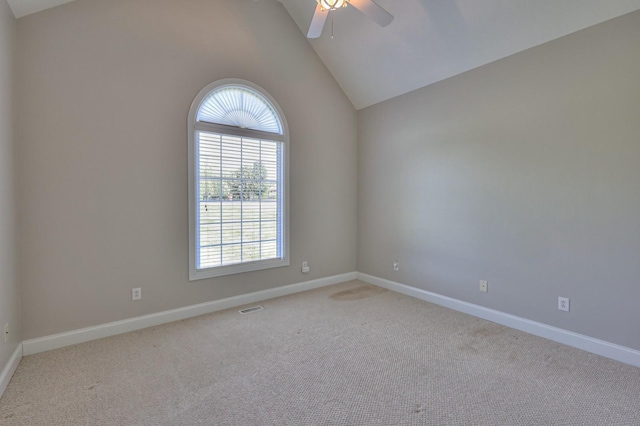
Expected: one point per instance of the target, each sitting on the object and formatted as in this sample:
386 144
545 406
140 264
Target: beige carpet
350 354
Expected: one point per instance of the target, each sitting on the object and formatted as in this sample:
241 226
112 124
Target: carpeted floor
350 354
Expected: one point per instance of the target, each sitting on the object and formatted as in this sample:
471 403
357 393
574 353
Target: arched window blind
239 107
238 186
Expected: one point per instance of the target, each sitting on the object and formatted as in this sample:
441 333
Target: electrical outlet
136 293
396 266
563 304
484 286
6 332
305 267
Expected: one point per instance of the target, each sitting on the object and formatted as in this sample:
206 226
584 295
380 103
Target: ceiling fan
368 7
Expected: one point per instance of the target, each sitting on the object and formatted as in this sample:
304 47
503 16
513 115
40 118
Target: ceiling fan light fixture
323 7
332 4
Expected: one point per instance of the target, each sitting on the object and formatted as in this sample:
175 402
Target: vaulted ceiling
27 7
429 40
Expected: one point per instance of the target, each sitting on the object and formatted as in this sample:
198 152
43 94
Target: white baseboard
69 338
10 368
580 341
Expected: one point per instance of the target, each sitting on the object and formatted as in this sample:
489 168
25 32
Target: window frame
193 127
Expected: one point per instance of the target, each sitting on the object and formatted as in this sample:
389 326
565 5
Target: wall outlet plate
563 304
484 286
136 293
305 267
6 332
396 266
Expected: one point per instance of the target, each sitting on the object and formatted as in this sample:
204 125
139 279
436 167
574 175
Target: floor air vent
251 310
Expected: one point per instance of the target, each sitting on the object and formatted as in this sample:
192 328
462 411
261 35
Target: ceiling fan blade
373 11
317 23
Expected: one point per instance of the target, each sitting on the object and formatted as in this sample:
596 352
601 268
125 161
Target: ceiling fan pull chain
332 28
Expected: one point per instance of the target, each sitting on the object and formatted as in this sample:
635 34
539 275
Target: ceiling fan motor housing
333 4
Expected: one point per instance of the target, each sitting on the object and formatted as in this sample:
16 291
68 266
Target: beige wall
524 172
9 295
105 88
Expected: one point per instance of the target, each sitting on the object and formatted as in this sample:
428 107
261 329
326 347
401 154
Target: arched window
238 181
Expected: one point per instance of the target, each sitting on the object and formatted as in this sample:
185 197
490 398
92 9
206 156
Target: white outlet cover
136 293
563 304
484 286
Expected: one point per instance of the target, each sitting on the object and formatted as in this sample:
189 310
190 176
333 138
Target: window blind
239 107
240 199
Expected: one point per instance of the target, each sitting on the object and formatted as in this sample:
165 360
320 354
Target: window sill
201 274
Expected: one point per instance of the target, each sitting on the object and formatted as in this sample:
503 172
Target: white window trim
194 272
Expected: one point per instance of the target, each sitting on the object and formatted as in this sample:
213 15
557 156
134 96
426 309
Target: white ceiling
429 40
22 8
